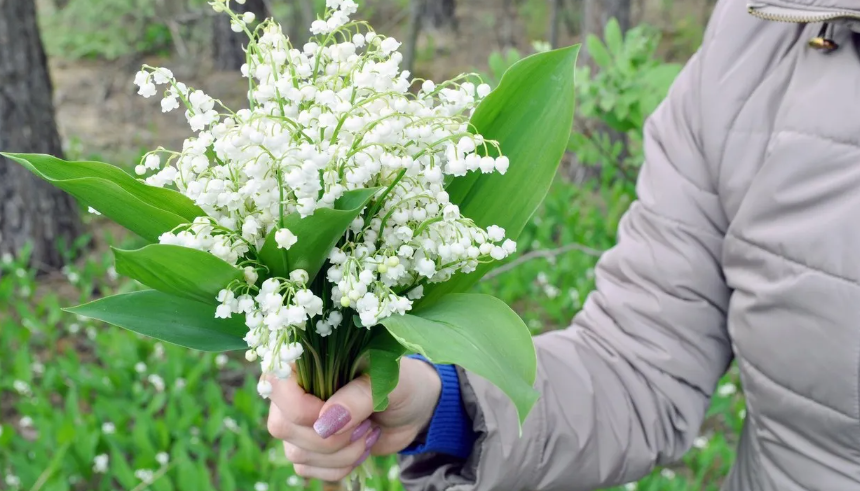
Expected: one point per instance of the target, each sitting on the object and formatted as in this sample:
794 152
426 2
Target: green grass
72 389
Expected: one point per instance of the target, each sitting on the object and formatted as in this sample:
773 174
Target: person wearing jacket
744 243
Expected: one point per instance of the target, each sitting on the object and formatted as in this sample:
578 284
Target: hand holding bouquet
333 225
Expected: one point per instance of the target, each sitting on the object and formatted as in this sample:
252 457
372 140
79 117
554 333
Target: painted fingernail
372 438
360 431
332 421
361 459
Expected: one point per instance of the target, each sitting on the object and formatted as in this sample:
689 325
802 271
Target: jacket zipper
782 14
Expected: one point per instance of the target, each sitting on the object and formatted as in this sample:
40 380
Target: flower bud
299 276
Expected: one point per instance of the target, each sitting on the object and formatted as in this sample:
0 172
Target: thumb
346 409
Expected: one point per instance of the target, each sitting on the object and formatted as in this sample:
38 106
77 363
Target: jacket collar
805 11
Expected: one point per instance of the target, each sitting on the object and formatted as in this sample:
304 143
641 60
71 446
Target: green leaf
145 210
614 38
598 52
168 318
384 354
181 271
530 114
317 234
479 333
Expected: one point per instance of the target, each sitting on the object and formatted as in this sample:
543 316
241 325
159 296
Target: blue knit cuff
450 431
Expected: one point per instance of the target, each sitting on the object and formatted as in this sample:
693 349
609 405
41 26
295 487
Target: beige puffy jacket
744 243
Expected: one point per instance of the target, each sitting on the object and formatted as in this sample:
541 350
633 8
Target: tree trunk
301 17
597 13
555 18
412 32
31 210
227 46
439 13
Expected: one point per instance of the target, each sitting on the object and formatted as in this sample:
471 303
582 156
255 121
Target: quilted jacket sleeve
626 386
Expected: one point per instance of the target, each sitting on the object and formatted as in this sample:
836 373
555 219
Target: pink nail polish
361 459
360 431
372 438
332 421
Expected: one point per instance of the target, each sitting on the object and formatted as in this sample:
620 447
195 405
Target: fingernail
372 438
359 431
361 459
332 421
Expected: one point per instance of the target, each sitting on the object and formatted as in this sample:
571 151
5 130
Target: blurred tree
596 14
426 14
31 210
439 13
226 44
301 16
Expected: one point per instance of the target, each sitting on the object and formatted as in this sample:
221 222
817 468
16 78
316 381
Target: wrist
427 378
448 430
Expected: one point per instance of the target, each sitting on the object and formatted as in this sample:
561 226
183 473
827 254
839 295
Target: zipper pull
823 41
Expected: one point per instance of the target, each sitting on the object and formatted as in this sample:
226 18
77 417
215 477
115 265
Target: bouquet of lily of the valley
336 223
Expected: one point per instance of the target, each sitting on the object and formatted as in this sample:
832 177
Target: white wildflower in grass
261 486
727 389
631 486
100 463
38 368
108 428
742 414
230 424
22 388
145 475
162 458
220 360
140 367
25 422
700 442
13 481
157 382
294 481
325 121
668 474
179 384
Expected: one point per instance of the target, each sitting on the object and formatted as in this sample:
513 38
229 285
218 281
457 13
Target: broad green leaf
168 318
479 333
186 474
145 210
530 114
226 481
274 257
598 52
383 354
181 271
317 235
614 38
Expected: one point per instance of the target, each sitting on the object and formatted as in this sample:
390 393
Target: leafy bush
105 29
614 101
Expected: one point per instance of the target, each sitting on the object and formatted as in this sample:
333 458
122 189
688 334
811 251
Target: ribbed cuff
450 431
